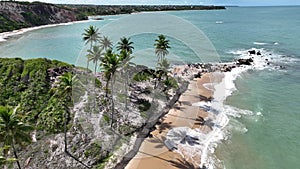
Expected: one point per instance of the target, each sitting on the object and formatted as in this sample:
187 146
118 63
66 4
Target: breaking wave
223 119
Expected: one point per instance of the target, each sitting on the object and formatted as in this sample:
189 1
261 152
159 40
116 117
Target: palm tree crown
95 55
91 35
110 64
125 44
161 47
105 43
12 130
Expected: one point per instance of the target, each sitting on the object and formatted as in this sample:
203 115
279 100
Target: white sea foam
221 114
260 43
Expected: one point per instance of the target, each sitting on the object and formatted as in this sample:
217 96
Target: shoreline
153 151
5 36
199 113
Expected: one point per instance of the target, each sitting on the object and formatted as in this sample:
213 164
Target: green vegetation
27 83
9 25
90 10
12 131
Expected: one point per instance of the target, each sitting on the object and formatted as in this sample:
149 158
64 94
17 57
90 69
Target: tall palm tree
67 81
161 47
95 55
13 131
91 35
125 59
110 64
105 43
125 44
125 47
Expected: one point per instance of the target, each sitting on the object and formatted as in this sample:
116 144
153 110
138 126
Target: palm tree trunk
65 132
106 86
95 86
87 70
95 67
112 102
126 90
66 143
87 67
15 153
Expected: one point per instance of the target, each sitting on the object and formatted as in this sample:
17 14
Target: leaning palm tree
67 81
95 55
105 43
91 35
110 64
125 44
13 131
161 47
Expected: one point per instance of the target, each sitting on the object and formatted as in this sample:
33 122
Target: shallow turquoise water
272 137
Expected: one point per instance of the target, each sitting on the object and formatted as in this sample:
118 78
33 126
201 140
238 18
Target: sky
178 2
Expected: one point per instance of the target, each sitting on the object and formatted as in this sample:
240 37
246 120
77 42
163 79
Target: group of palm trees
101 53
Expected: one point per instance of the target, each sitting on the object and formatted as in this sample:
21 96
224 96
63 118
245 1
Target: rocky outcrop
16 15
245 61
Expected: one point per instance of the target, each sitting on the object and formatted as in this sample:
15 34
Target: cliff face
16 15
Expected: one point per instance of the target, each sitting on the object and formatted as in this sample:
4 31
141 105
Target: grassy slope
27 83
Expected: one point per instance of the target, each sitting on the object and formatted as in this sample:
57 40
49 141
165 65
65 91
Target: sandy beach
153 153
7 35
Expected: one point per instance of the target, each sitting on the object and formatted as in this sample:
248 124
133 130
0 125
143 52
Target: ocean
263 126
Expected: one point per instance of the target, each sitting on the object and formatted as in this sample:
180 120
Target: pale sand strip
153 153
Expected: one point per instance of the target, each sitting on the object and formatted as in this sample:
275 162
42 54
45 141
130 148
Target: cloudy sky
186 2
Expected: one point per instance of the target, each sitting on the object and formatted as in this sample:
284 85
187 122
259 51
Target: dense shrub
27 83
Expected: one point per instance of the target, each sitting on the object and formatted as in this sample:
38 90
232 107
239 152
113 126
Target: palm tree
125 59
110 64
163 67
125 44
91 35
125 47
67 81
95 55
13 131
105 43
161 47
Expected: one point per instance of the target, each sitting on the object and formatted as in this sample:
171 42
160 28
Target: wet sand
153 153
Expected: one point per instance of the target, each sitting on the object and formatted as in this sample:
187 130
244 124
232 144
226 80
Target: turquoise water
272 140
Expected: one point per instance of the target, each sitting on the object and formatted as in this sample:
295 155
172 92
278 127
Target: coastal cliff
17 15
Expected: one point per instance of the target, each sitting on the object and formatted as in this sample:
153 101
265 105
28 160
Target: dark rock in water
245 61
268 63
258 53
252 52
266 59
228 69
282 67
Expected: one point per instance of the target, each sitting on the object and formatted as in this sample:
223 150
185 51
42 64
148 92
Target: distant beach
4 36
